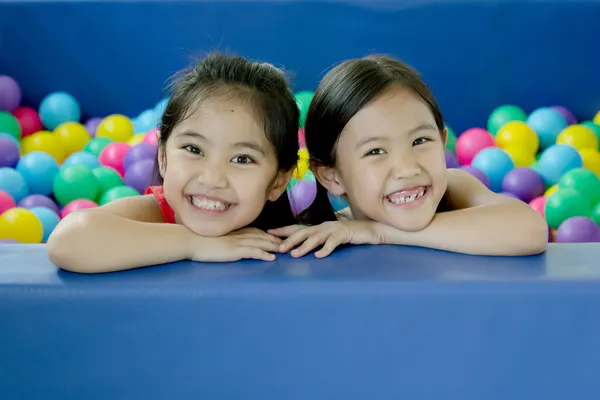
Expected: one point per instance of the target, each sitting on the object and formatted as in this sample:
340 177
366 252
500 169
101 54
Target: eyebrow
422 127
251 145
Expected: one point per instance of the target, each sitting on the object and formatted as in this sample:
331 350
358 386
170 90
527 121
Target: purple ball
141 151
525 183
6 241
302 194
568 115
91 125
477 174
451 161
9 152
508 194
10 94
139 175
578 230
38 200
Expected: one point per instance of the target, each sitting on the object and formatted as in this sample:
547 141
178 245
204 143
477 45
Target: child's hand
328 234
245 243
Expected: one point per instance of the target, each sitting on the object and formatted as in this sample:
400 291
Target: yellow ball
21 225
591 160
579 137
520 156
551 190
73 136
136 139
44 141
116 127
518 134
597 118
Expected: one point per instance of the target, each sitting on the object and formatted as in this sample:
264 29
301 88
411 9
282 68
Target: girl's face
219 169
390 162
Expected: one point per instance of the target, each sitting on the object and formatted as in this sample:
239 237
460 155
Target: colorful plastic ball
591 160
145 121
10 93
593 127
6 201
48 218
525 183
38 200
91 125
46 142
302 195
12 182
9 153
547 122
471 142
96 145
113 156
139 175
76 205
21 225
73 136
595 214
82 158
116 127
7 241
11 138
29 120
556 160
107 178
75 182
451 161
503 115
584 181
58 108
564 204
596 119
450 139
480 175
10 125
117 192
495 163
160 107
38 169
136 139
568 115
551 190
141 151
578 230
579 137
521 157
538 204
517 134
303 100
151 137
509 194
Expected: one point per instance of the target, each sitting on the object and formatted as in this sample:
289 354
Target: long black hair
268 92
342 93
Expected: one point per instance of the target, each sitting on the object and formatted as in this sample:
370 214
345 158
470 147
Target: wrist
387 233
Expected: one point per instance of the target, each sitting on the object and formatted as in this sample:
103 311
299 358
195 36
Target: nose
405 165
213 176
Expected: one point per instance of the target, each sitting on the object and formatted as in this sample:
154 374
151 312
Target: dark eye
242 159
193 149
375 152
420 141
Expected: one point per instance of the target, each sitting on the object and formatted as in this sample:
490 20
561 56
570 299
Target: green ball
117 193
504 114
451 139
595 216
564 204
75 182
10 125
303 100
107 178
594 128
96 145
584 181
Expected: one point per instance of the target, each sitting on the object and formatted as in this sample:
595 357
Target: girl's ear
279 185
162 161
445 136
329 178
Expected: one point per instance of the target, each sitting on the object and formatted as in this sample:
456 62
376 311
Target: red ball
471 142
151 136
113 155
75 205
29 119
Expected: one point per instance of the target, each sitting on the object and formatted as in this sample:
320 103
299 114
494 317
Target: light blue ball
57 108
12 138
13 183
82 158
145 121
48 218
547 123
495 163
160 108
556 160
38 169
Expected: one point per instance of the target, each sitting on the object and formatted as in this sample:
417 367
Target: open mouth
408 196
208 204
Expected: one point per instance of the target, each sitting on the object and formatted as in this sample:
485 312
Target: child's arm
130 233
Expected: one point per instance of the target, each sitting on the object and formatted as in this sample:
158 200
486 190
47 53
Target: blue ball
9 153
82 158
57 108
145 121
48 218
495 163
547 123
13 183
38 169
160 108
556 160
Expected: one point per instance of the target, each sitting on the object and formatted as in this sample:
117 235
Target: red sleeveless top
165 209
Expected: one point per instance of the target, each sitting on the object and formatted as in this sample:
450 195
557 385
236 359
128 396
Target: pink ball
538 204
301 138
75 205
113 155
471 142
29 119
6 201
151 136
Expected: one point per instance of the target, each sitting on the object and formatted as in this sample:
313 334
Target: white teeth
408 199
209 205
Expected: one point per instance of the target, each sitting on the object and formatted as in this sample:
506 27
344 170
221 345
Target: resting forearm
499 229
91 242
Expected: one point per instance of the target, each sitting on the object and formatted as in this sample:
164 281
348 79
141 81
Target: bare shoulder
465 191
138 208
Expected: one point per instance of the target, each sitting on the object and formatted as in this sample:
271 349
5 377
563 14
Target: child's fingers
331 244
260 243
255 253
297 237
285 230
310 244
